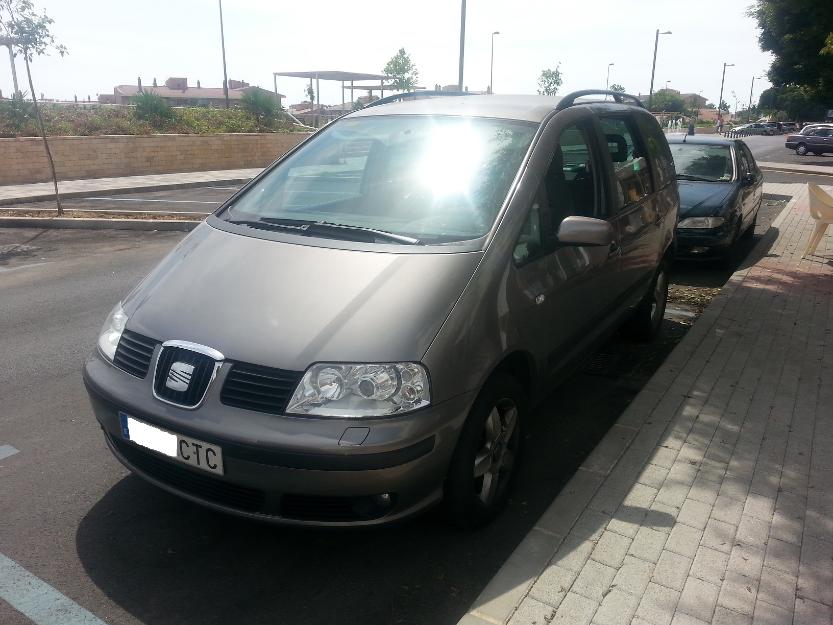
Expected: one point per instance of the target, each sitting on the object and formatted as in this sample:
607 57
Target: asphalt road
130 553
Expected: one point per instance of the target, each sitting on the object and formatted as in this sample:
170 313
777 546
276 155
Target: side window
629 161
658 151
743 162
569 188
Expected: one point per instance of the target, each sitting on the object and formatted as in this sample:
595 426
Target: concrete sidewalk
822 170
711 499
15 194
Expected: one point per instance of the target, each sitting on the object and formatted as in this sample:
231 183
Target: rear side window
629 160
658 150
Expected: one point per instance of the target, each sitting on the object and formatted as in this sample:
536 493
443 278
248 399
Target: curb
45 197
98 224
787 168
504 592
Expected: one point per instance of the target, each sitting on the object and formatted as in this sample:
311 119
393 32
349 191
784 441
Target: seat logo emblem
179 376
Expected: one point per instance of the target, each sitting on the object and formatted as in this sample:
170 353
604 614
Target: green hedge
17 119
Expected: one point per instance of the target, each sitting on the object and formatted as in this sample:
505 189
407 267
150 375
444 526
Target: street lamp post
654 66
5 41
462 43
749 110
720 99
492 64
607 80
666 84
223 45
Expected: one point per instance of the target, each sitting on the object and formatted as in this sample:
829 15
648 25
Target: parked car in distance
807 128
817 140
721 189
359 332
756 128
788 127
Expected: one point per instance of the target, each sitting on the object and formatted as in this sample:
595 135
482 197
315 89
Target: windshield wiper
303 226
699 178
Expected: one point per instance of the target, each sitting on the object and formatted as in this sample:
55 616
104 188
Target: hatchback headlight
361 390
111 331
702 222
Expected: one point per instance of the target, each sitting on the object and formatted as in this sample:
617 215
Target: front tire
484 464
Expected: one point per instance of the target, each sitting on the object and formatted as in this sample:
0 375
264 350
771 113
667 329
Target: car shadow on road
167 561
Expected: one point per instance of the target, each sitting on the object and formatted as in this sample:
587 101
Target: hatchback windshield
432 178
702 162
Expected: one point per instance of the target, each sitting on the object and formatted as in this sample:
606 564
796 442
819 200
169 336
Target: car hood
702 199
286 305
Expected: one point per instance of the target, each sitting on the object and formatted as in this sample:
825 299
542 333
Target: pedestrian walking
691 126
720 125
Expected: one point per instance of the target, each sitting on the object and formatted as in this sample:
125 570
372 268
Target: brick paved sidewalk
711 499
78 188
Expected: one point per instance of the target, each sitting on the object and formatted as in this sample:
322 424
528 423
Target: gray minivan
359 332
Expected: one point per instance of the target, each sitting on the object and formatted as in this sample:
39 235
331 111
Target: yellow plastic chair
821 209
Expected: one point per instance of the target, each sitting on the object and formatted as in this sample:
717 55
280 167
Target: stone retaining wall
23 160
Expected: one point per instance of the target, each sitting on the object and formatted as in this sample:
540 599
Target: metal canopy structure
339 76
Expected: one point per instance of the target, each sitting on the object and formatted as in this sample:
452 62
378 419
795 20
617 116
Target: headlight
702 222
108 338
361 390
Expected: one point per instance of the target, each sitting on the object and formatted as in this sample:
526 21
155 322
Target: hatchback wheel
487 454
648 317
801 149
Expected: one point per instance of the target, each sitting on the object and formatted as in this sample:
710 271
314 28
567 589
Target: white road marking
138 199
6 451
19 267
37 600
223 188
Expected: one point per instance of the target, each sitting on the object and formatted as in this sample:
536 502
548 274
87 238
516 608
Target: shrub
15 115
151 107
261 105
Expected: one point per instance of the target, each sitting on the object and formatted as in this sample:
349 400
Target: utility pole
492 64
223 44
462 43
8 43
720 99
749 110
654 66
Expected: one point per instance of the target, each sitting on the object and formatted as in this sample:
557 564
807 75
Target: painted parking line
37 600
138 199
6 451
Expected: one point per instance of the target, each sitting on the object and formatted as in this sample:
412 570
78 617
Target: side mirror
585 231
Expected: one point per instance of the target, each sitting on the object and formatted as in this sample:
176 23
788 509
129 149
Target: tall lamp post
607 80
492 64
462 43
749 110
720 99
8 42
654 66
223 44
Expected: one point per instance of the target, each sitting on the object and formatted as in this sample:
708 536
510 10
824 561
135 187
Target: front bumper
286 469
704 243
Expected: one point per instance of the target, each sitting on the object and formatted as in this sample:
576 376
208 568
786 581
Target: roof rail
619 97
411 95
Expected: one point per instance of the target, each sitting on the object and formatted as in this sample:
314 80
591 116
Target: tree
617 88
30 35
724 106
151 107
310 93
550 80
799 34
666 100
402 70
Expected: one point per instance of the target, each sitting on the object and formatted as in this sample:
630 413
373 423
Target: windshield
436 179
703 162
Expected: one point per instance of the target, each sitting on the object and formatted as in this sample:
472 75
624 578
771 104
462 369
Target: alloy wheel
494 462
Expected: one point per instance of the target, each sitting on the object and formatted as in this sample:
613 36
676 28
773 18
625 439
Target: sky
113 43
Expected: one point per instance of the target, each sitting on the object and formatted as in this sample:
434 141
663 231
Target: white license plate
187 450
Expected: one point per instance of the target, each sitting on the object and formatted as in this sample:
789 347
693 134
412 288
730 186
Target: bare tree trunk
43 135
